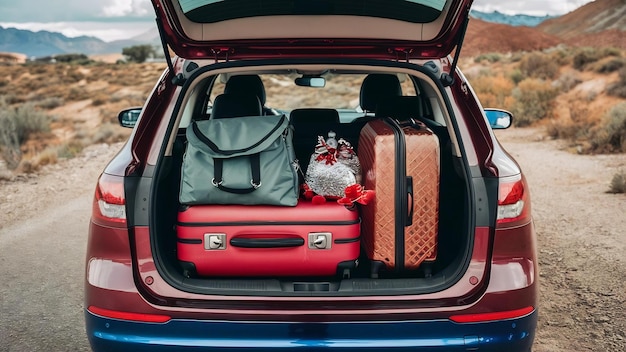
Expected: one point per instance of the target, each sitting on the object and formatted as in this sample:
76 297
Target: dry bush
16 124
533 101
587 56
537 65
618 89
575 128
494 91
100 98
611 136
516 76
612 65
568 80
618 183
50 103
70 149
9 142
489 57
48 156
76 94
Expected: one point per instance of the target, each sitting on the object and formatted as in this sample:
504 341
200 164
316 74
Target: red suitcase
402 165
260 240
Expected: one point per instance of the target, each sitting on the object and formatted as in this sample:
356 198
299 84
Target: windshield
417 11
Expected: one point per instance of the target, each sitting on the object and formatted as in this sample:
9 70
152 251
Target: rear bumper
199 335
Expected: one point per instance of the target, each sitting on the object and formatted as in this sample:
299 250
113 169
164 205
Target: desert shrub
50 103
48 156
28 120
77 93
9 142
538 65
568 80
16 125
575 128
611 137
100 98
611 65
517 76
80 59
138 53
618 88
489 57
70 149
533 101
586 56
493 91
618 183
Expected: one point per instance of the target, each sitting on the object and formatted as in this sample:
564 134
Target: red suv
424 247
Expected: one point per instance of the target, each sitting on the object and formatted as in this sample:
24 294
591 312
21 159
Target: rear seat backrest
308 124
401 107
235 105
377 88
248 84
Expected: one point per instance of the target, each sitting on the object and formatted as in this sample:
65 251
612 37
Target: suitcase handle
409 190
266 242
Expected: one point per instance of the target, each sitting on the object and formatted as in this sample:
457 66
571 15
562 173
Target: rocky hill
484 37
599 23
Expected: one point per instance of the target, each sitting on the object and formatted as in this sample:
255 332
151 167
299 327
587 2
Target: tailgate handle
266 242
409 190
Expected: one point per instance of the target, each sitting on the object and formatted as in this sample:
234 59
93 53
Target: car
365 64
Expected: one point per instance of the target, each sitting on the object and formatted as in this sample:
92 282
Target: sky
122 19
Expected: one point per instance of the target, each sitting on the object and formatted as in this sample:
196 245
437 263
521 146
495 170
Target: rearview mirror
128 117
499 119
308 81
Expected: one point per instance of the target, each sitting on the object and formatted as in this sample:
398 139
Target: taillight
513 202
109 204
493 316
141 317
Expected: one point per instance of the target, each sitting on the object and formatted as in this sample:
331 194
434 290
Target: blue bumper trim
199 335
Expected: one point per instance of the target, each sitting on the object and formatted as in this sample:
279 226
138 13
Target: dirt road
581 232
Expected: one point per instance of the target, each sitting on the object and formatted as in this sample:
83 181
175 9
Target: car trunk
455 234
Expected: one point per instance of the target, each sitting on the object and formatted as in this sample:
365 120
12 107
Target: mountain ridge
511 20
46 43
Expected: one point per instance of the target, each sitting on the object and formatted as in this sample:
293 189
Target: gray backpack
240 160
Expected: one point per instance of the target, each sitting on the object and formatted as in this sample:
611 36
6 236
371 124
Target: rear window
416 11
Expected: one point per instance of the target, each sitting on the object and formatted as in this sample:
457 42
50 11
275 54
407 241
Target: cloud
74 10
529 7
121 8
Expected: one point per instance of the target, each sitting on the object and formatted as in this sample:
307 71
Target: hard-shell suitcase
262 240
401 163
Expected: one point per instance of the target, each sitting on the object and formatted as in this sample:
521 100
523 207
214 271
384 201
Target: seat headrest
400 107
313 116
378 87
235 105
246 84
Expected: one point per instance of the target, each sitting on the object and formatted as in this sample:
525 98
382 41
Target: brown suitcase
402 165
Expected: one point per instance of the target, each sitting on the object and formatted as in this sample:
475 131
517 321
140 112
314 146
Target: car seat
248 84
235 105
